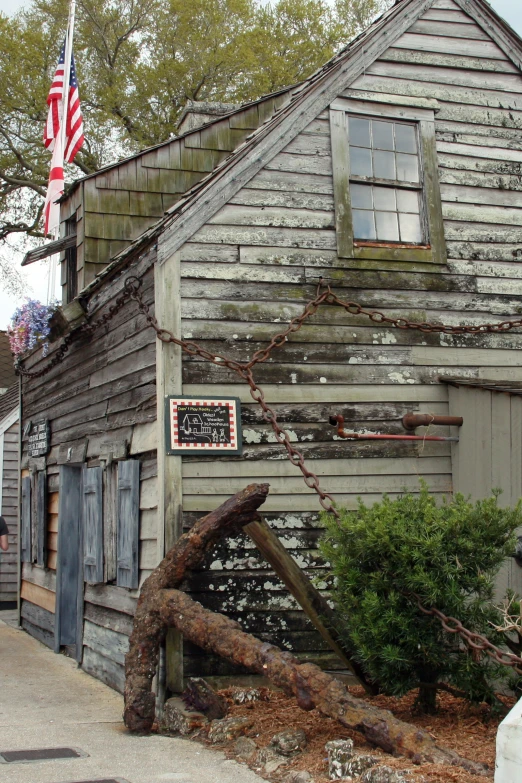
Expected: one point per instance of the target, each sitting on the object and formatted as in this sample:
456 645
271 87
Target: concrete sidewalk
46 701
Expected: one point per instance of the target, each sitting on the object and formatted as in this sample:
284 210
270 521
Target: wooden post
309 599
169 381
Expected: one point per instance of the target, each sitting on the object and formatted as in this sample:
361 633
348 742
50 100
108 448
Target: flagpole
63 127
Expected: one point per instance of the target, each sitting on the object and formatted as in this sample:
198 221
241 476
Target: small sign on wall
203 426
38 436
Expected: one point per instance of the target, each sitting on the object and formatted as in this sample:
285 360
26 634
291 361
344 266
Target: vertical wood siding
257 262
489 456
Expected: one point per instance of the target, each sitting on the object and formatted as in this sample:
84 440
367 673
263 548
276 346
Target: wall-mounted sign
38 437
203 426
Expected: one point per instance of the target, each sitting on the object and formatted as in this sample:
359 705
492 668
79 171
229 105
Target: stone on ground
339 754
245 748
382 774
289 742
227 729
180 719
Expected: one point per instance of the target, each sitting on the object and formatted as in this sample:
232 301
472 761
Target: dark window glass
387 226
361 162
359 132
405 138
363 224
382 135
407 168
362 196
382 150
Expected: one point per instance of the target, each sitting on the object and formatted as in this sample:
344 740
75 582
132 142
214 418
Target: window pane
387 228
361 196
363 224
407 168
360 162
408 201
405 138
382 135
384 198
383 165
410 228
359 131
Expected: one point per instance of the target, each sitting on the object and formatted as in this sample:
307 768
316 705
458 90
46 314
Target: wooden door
69 563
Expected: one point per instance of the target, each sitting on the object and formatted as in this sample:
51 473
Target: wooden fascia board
495 27
300 113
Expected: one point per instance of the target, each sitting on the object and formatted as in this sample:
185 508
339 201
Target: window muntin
385 152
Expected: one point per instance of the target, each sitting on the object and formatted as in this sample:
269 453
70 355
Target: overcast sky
36 274
511 10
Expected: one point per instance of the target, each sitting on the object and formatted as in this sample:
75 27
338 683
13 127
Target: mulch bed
468 729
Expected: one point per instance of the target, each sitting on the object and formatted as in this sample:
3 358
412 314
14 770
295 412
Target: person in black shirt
4 543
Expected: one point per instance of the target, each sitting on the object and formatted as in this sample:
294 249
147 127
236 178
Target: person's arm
4 543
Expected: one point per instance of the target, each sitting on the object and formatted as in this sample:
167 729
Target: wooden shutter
92 516
26 520
41 517
69 567
128 523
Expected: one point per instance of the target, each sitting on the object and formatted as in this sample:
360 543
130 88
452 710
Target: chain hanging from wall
324 296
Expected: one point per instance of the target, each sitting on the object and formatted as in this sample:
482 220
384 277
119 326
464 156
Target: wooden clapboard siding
116 205
255 264
39 596
9 510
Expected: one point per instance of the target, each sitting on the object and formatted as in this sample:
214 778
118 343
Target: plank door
69 563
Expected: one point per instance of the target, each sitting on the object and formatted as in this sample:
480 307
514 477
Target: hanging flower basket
30 327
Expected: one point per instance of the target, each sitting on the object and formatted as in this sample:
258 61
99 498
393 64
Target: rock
269 760
244 695
179 719
200 696
339 754
299 776
228 729
289 743
382 774
244 748
359 764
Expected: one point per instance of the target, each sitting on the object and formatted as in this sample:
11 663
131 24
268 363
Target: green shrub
449 555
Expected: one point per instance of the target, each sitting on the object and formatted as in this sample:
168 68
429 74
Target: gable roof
8 402
7 370
305 101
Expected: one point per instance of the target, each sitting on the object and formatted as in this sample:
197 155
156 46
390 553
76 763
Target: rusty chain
476 641
131 291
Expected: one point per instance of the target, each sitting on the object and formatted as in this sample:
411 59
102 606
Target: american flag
74 137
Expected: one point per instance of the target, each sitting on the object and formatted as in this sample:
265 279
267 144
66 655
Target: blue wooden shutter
128 523
41 518
26 520
92 516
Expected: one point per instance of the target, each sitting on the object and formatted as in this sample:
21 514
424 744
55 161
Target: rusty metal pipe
341 432
413 420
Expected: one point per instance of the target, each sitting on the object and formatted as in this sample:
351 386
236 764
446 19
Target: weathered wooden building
9 470
393 173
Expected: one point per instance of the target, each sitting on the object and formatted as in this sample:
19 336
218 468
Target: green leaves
138 62
449 554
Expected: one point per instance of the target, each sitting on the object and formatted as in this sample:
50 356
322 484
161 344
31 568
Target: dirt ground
469 730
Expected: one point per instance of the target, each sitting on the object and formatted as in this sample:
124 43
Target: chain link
132 287
476 641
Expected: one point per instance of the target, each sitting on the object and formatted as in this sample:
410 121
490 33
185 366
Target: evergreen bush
449 554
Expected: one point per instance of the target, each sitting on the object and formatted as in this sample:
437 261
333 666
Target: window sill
380 251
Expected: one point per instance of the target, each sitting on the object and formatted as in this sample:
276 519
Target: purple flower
30 327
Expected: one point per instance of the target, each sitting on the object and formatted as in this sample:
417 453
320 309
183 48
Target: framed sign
38 436
203 426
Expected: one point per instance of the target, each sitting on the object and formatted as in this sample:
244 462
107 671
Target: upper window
385 191
385 153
